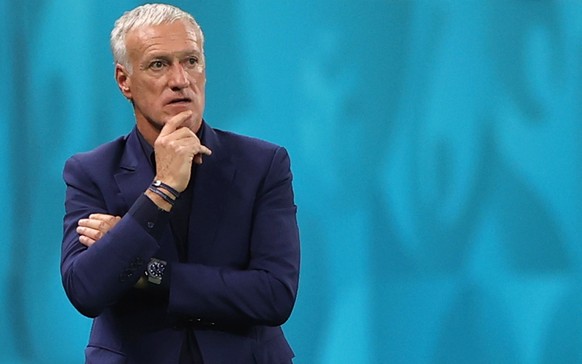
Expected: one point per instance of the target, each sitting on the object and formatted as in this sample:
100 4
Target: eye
192 61
157 65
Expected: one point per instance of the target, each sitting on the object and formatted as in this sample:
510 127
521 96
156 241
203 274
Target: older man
180 240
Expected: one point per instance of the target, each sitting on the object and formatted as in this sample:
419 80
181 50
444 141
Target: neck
149 133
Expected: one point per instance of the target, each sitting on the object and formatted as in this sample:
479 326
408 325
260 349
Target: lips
180 100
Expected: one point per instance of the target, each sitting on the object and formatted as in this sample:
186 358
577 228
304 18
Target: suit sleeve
96 277
265 292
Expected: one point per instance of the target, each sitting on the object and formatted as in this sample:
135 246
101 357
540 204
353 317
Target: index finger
204 150
103 217
174 122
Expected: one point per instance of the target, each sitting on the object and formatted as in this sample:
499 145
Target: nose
178 78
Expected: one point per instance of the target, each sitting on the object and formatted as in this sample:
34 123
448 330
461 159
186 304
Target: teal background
436 147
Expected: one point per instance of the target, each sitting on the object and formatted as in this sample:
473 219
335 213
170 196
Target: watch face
156 269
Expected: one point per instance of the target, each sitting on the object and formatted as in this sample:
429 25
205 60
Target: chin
193 124
156 124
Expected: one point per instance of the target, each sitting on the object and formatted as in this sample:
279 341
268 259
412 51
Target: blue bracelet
157 183
162 195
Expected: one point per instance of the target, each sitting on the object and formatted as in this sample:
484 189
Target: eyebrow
169 56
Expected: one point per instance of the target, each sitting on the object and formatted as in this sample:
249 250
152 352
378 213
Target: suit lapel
133 178
134 174
212 184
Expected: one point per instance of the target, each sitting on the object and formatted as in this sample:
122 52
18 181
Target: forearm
96 277
231 297
262 293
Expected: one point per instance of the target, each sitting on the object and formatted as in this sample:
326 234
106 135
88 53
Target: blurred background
437 153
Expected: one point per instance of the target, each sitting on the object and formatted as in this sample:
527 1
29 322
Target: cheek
150 87
201 86
200 80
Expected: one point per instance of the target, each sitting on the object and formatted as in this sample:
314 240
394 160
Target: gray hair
145 15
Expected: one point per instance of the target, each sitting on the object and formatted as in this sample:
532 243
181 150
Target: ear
123 80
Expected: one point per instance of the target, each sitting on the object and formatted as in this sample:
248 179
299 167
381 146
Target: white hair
145 15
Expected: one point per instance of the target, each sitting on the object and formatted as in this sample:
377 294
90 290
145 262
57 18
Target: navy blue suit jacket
239 281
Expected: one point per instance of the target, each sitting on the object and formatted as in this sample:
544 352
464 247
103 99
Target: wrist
173 186
168 189
155 271
158 200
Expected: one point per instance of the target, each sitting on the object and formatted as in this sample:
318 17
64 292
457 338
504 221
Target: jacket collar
135 173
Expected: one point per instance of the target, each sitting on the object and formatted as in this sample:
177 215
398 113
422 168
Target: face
168 75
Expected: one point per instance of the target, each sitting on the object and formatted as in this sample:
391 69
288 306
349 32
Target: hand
94 227
176 148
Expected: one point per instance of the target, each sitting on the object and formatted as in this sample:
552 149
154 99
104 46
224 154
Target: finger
85 222
101 216
190 145
198 159
105 217
86 241
175 122
89 233
93 224
182 133
96 228
193 144
204 150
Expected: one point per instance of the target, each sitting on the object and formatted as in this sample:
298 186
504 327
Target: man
180 240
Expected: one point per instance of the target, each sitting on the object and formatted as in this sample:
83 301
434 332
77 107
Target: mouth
180 101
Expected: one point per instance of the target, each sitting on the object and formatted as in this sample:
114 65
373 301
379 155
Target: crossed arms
98 248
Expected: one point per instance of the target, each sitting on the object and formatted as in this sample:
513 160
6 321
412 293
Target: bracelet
162 195
157 183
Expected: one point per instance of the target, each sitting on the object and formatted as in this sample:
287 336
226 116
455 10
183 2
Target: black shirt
179 222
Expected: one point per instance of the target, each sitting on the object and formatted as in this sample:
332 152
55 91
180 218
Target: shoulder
255 156
243 141
105 150
102 158
246 148
242 146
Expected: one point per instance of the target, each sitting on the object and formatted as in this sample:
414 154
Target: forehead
171 37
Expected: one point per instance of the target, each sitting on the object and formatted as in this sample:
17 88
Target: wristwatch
155 270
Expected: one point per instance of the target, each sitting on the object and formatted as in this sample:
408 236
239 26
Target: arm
263 293
97 277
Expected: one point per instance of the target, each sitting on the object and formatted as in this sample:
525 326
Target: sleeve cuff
149 216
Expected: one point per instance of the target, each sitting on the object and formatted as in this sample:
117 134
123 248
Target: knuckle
160 141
